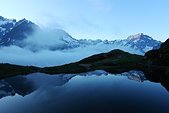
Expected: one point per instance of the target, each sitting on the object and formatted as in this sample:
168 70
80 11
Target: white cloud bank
21 56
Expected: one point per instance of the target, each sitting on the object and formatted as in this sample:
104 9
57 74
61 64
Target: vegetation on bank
115 61
8 70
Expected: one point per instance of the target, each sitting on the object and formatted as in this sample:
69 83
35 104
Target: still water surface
93 92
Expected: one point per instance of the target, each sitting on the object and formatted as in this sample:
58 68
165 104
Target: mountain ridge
22 29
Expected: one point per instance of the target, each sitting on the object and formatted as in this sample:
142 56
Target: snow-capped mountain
138 44
6 25
17 33
143 42
13 32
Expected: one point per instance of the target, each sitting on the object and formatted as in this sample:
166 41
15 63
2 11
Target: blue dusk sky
93 19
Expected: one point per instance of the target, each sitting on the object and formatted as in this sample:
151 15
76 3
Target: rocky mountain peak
139 36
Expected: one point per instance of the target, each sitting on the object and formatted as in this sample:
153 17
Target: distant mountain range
14 32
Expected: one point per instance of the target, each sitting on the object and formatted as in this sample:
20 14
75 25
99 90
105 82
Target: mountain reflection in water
91 92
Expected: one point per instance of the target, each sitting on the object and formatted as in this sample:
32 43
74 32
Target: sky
94 19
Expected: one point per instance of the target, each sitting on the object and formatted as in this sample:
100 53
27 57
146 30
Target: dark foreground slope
158 60
115 61
160 56
157 63
8 70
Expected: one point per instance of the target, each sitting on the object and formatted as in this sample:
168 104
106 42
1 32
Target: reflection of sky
83 93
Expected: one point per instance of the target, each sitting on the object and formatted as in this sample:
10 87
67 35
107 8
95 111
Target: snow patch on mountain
138 44
23 34
6 25
61 40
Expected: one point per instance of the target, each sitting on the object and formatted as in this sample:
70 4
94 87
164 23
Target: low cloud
37 50
22 56
42 58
